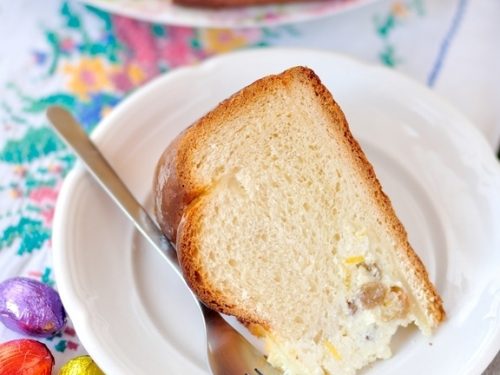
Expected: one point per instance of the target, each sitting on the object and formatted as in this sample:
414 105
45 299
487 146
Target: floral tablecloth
62 52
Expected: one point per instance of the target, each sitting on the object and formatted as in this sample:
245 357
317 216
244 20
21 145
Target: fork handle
72 133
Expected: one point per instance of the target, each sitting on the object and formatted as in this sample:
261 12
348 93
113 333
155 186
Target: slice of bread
280 221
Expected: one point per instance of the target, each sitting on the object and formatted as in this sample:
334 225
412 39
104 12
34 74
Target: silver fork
228 352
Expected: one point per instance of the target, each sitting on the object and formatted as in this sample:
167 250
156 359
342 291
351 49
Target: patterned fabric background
87 61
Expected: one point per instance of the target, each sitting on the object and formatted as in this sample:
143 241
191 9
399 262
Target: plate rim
99 136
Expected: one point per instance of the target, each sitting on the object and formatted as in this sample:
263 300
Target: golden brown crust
180 195
172 190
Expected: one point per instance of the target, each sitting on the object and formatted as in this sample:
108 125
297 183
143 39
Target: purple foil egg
30 307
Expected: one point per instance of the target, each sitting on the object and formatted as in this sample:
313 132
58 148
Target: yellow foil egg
83 365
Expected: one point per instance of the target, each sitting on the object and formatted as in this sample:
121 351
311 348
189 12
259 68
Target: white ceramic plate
164 11
134 317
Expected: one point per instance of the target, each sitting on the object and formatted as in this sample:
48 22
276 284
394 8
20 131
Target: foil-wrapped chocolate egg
30 307
24 356
83 365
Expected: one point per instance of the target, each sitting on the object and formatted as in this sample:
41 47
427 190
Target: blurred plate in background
164 11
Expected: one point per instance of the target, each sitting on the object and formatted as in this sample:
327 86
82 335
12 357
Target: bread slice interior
287 228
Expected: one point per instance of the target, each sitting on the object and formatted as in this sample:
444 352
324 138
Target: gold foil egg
83 365
25 357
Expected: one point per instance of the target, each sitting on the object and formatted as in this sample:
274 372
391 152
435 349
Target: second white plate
135 317
164 11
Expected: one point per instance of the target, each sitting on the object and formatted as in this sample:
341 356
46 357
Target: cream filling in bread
375 305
